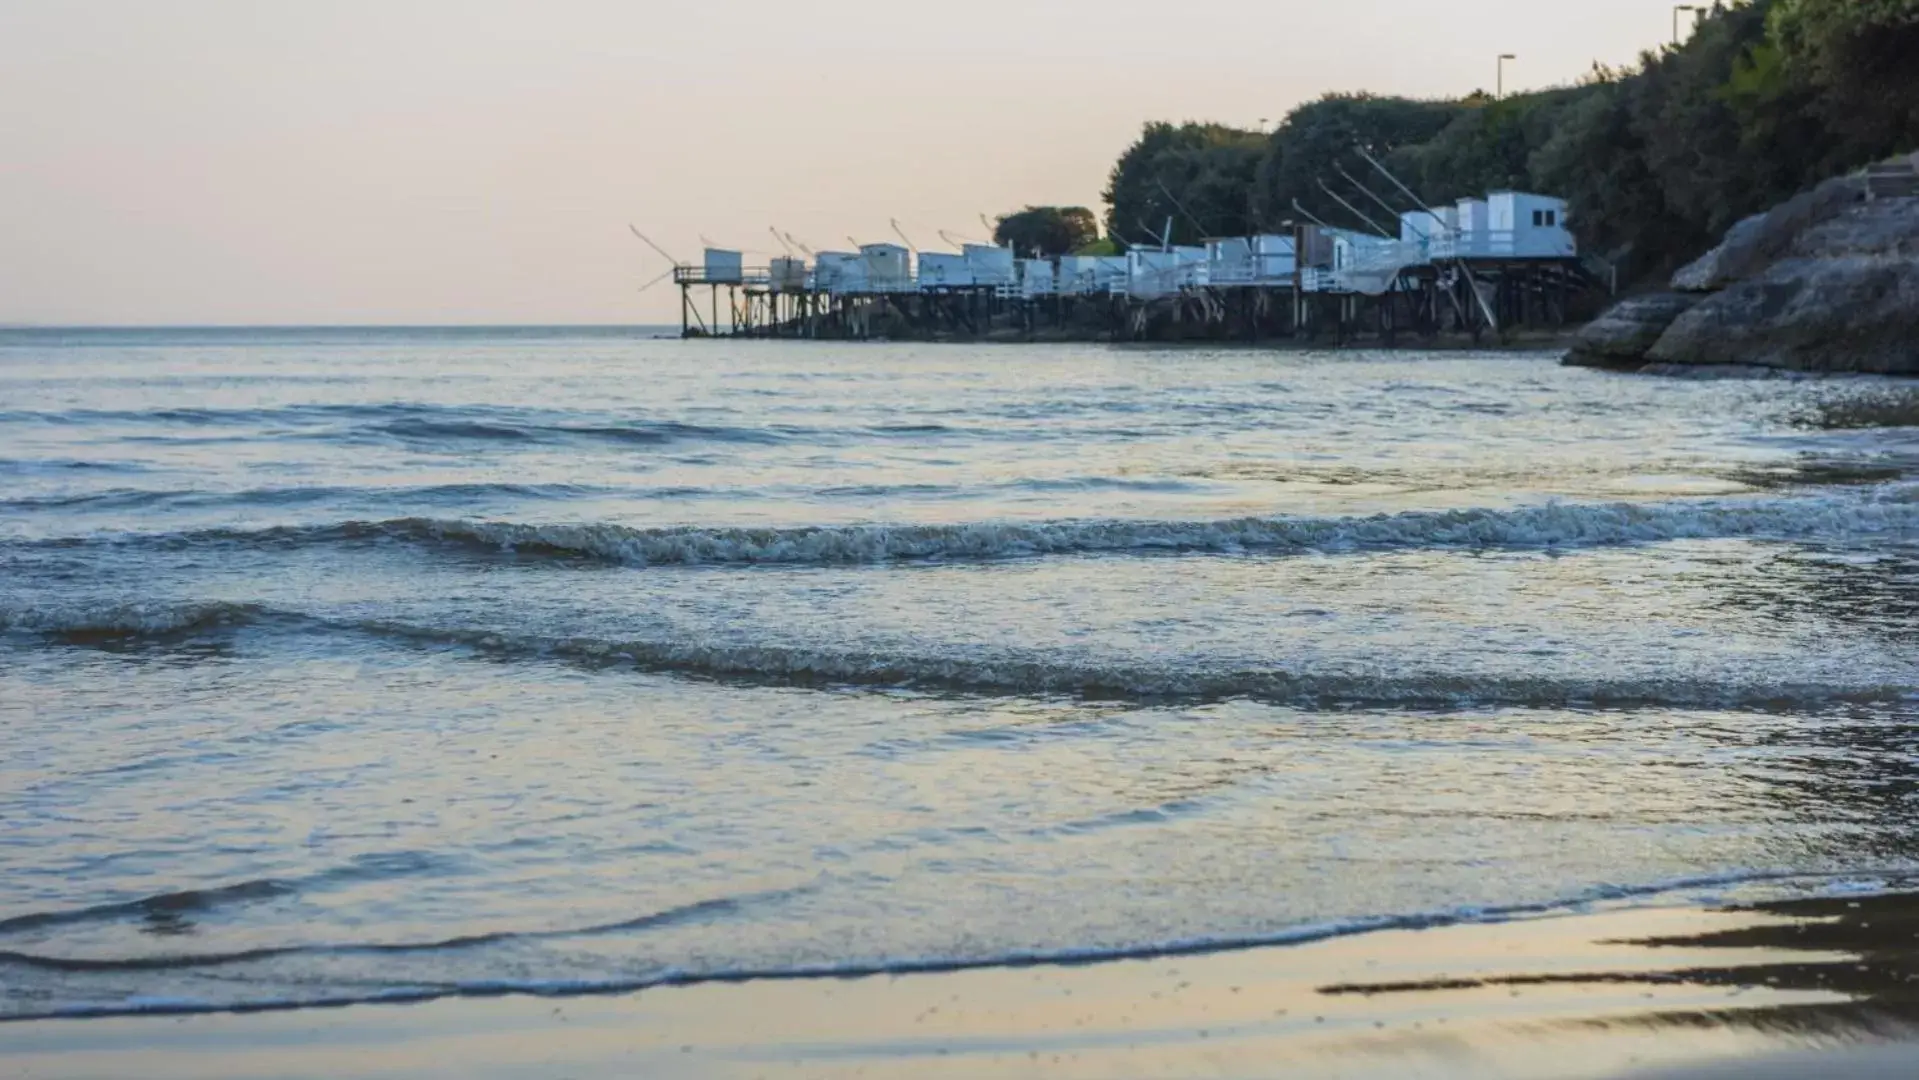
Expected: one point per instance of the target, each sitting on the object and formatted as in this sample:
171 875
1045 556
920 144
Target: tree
1319 138
1044 231
1596 161
1197 175
1487 146
1858 56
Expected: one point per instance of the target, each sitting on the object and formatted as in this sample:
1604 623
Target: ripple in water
363 666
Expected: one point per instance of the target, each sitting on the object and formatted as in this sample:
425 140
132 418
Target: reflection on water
1858 956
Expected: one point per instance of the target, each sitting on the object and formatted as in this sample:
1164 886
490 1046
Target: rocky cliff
1828 281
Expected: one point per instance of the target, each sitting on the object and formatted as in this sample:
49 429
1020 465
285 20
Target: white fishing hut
1432 231
1266 260
1350 248
724 267
991 265
1082 275
888 267
1474 215
1334 253
1508 225
944 270
1527 226
1470 237
786 274
1037 278
1229 260
1274 259
839 272
1151 273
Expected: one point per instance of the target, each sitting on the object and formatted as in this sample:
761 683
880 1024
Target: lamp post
1677 8
1499 91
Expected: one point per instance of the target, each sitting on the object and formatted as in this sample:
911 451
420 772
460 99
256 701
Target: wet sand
1665 992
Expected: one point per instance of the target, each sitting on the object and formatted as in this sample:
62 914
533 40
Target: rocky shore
1825 282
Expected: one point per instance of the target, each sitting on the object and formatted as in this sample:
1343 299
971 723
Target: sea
349 665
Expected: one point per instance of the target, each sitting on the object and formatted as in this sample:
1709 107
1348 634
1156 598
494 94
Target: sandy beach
1627 993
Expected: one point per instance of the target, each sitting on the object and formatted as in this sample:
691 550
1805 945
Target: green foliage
1767 98
1320 138
1196 174
1044 231
1098 247
1860 60
1488 146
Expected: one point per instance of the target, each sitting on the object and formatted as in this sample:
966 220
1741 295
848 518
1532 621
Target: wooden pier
1473 296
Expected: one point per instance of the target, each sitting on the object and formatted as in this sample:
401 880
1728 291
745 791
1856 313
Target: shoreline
1581 995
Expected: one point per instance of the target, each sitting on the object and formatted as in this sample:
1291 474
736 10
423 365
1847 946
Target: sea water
342 665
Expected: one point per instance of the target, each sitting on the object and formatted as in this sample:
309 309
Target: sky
478 161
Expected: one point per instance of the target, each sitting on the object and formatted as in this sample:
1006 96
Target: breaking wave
172 961
85 622
1549 526
1068 675
1025 673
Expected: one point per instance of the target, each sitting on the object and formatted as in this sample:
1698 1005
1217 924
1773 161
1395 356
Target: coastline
1613 993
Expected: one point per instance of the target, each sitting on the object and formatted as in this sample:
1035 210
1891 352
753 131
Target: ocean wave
159 905
426 424
82 622
32 466
654 920
139 498
1068 675
1030 673
1553 526
481 493
656 433
398 991
187 902
1866 408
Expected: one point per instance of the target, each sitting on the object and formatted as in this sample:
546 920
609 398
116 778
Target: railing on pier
758 277
1257 271
842 282
1499 244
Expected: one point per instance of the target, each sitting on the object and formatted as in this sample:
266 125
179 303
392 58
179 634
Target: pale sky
477 161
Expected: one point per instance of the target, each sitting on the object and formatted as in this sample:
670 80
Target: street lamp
1677 8
1499 92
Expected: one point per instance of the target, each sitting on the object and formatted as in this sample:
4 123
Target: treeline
1767 98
